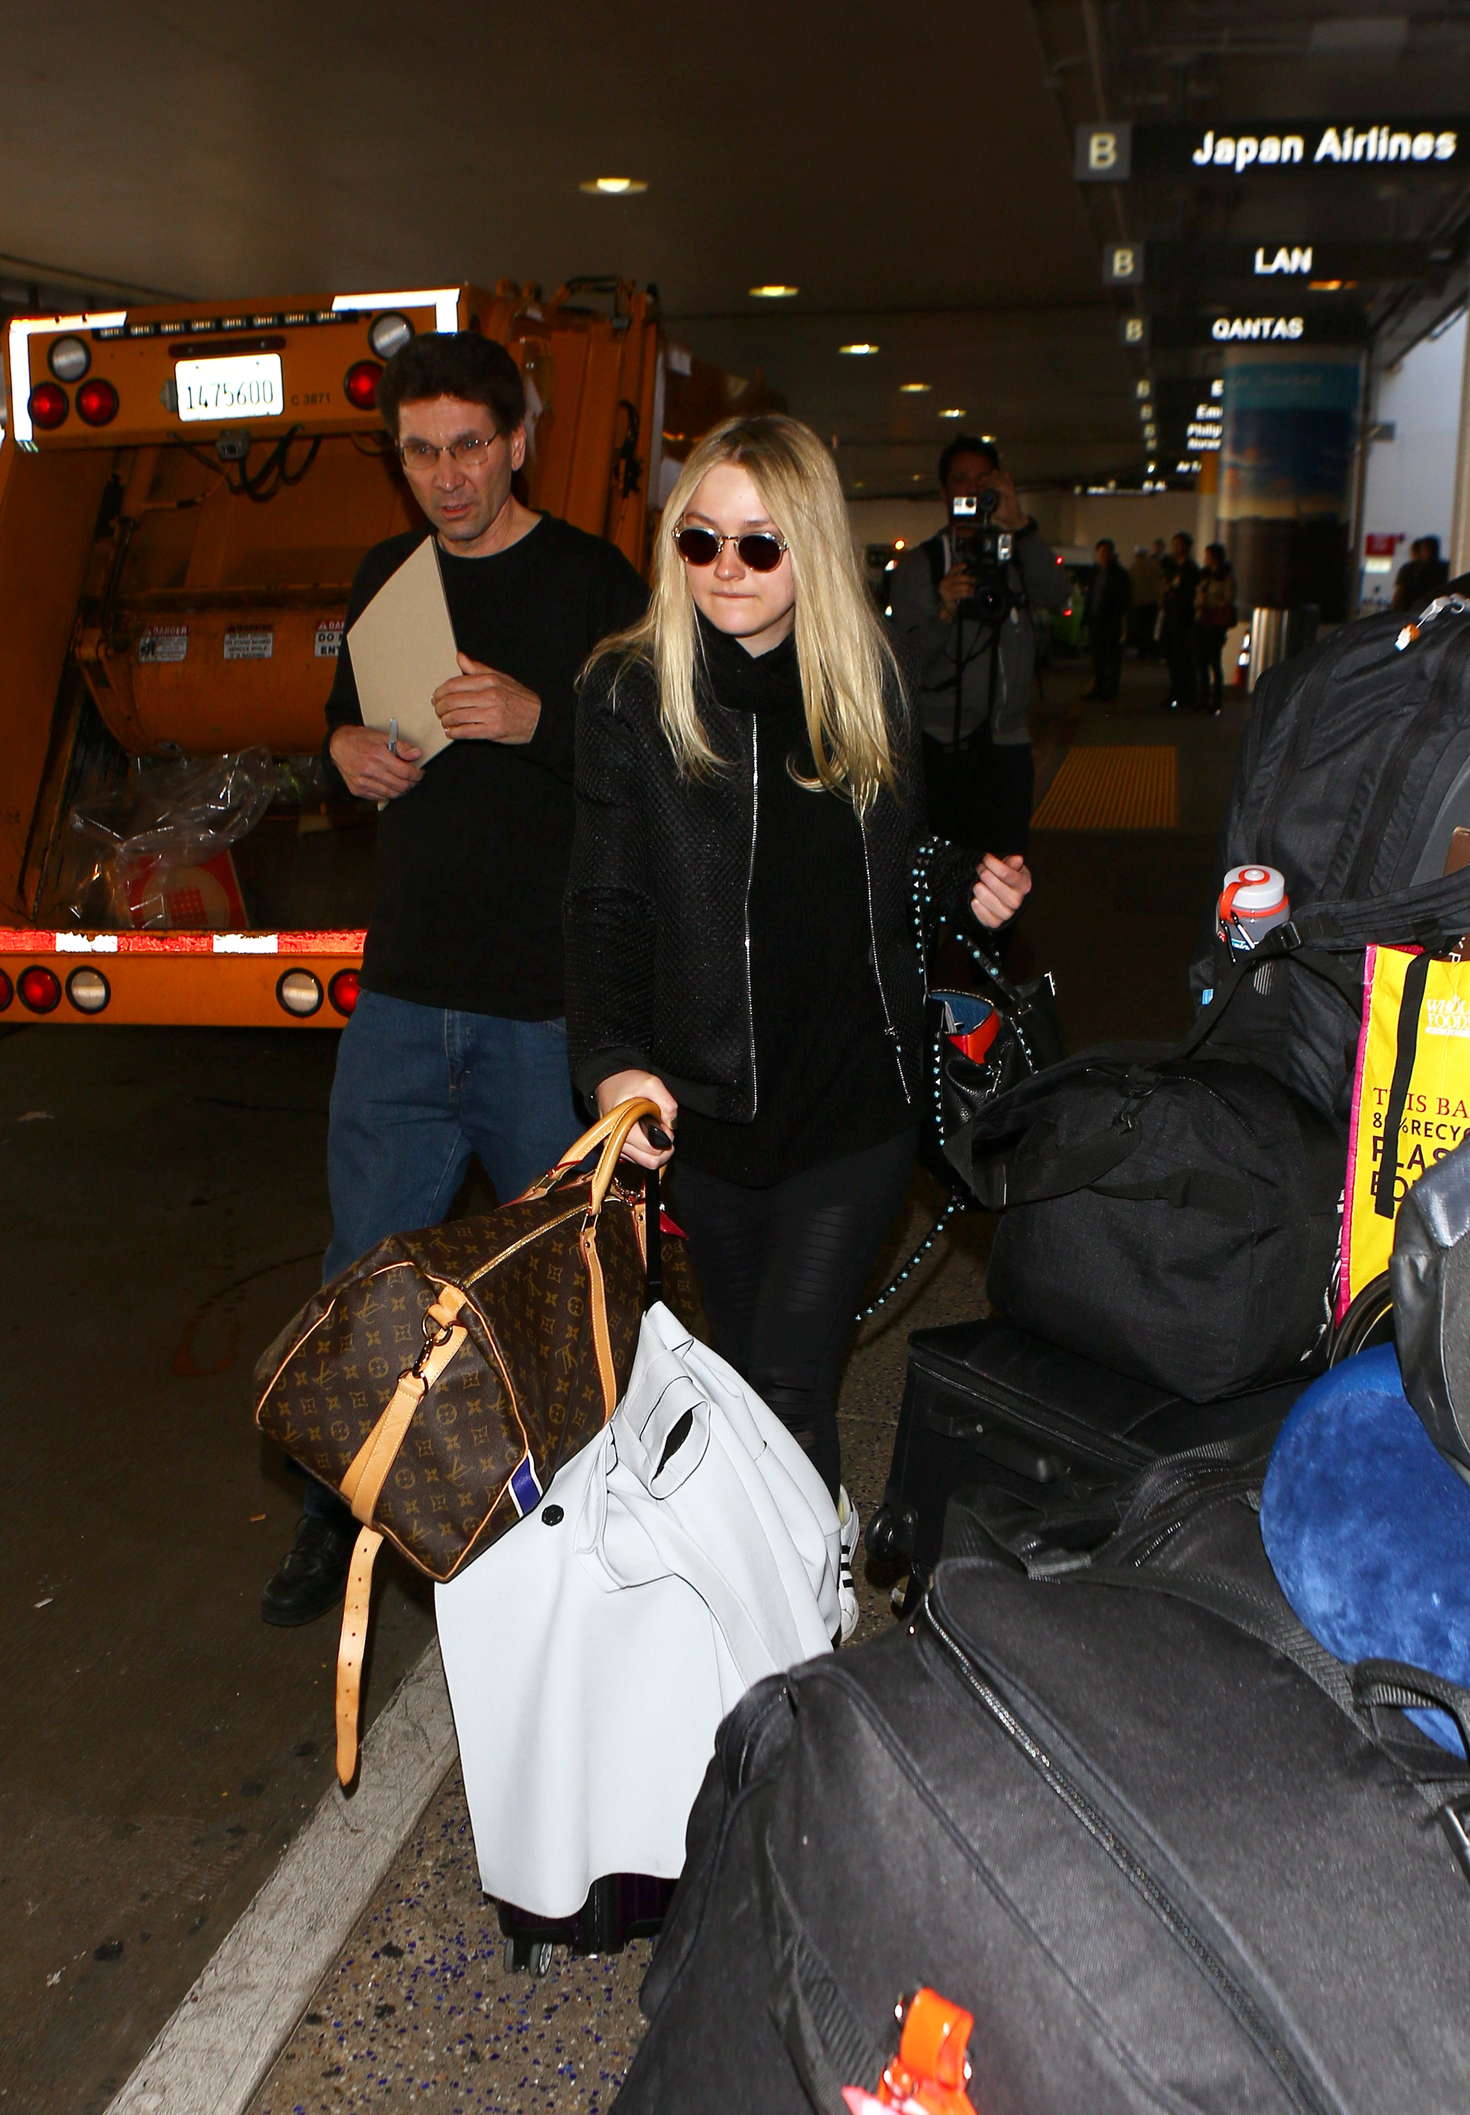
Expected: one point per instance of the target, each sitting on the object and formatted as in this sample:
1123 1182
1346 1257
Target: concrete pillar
1287 474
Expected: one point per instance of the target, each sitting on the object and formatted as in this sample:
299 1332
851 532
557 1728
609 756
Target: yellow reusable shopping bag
1411 1097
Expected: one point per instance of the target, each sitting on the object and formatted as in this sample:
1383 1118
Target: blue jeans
418 1091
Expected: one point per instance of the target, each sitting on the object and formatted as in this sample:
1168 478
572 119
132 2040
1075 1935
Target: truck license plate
243 386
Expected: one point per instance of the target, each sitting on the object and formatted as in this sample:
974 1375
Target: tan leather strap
617 1123
350 1648
362 1481
597 1306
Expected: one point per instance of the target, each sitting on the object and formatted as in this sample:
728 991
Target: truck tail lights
39 989
7 991
361 384
299 992
48 406
69 359
343 990
88 990
96 402
388 333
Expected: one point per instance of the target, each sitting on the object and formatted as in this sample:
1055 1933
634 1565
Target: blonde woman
738 941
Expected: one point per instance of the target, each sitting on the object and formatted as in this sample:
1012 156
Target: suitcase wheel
527 1956
891 1531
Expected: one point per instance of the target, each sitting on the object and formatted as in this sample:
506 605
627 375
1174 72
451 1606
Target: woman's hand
636 1086
1001 887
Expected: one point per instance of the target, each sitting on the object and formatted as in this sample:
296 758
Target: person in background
1177 625
1145 585
1425 575
456 1047
972 668
738 937
1108 595
1214 614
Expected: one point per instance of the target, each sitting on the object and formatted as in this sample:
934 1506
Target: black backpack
1353 776
1174 1220
1170 1854
1172 1214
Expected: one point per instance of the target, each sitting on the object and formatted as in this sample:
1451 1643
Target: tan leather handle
351 1646
611 1133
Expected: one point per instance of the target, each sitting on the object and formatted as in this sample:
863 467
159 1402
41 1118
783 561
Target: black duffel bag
1175 1218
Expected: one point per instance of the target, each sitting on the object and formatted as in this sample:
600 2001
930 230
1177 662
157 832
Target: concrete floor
165 1198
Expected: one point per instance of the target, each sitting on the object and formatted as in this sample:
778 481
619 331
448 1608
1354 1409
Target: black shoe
313 1574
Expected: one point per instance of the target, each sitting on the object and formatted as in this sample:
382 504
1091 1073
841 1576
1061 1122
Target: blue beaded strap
927 924
958 1202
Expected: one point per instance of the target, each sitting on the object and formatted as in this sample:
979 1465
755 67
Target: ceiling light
953 411
860 350
773 292
914 389
614 186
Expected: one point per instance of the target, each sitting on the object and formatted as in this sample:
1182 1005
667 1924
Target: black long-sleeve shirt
473 860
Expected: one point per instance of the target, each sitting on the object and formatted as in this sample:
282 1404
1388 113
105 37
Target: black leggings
782 1270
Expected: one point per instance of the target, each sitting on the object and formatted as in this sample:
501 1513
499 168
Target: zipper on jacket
888 1028
1243 2007
755 809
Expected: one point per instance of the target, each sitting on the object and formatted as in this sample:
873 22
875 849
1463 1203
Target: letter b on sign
1123 264
1104 154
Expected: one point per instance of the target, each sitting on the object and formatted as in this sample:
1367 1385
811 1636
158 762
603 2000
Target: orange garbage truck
185 493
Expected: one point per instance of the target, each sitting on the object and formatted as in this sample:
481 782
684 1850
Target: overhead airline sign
1114 153
1187 264
1306 323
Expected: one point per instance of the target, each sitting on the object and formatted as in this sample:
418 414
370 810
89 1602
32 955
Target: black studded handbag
981 1037
985 1035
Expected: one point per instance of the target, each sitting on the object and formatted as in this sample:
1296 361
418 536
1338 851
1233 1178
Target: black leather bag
1176 1220
985 1035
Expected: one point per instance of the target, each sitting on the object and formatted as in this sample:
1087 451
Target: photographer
963 628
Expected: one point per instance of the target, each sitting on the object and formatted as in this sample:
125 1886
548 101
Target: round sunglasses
759 549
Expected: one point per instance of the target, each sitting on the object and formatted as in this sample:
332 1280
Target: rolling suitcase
988 1404
1169 1853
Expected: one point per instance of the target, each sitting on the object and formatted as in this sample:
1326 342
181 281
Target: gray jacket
928 647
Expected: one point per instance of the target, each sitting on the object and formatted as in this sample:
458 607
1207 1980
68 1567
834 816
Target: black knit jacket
656 943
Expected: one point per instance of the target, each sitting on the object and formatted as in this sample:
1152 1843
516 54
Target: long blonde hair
842 651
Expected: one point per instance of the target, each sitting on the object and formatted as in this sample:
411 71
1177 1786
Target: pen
392 738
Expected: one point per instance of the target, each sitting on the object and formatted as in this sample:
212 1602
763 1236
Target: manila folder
402 649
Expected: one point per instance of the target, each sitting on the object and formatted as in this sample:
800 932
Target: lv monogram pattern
525 1380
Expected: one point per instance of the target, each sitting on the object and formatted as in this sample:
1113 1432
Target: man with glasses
457 1046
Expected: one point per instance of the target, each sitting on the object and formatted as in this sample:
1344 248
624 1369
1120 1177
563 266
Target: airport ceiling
910 171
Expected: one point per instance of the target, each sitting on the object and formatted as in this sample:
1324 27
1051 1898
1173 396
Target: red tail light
343 990
97 402
361 384
7 991
39 989
48 406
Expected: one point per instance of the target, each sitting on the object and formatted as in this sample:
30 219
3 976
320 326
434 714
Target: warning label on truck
329 638
249 642
163 642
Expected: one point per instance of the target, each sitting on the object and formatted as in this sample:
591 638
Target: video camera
985 552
